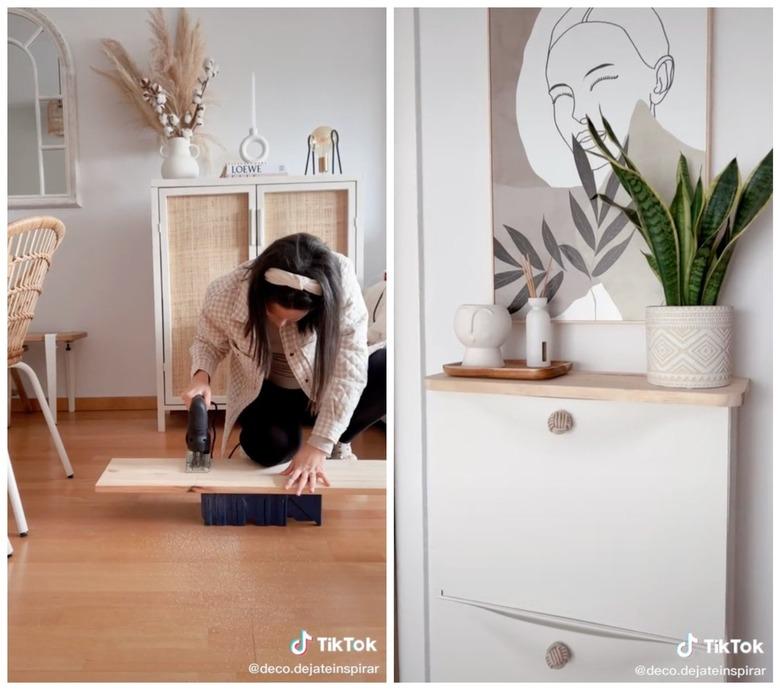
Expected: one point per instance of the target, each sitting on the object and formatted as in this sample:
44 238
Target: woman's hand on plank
306 469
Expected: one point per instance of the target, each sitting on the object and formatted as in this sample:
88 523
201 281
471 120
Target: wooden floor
121 587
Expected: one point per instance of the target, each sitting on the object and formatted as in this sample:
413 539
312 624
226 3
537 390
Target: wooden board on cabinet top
588 385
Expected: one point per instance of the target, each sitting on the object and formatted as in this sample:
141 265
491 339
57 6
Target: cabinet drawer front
476 645
621 520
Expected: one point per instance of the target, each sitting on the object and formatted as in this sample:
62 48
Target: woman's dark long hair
305 255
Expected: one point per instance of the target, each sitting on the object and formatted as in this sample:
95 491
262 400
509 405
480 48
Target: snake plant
691 240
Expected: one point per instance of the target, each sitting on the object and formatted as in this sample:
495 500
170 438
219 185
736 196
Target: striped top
280 374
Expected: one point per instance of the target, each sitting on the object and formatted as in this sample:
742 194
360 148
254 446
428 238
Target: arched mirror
42 125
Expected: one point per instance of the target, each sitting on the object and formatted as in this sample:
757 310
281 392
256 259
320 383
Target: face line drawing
650 86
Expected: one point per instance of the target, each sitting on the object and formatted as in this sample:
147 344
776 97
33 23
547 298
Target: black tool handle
198 426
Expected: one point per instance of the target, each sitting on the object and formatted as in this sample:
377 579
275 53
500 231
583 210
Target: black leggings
271 423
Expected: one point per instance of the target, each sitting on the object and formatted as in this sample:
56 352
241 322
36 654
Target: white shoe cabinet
611 537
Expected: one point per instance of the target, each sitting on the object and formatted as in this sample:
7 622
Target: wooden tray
514 369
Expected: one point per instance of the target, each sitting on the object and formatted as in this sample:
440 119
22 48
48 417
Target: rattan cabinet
203 228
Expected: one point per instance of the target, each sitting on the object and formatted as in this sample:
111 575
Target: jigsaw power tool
199 440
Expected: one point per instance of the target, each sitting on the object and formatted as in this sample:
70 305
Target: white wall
313 67
408 337
456 268
442 233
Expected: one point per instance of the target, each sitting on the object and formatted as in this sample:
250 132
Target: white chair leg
16 501
50 344
55 434
10 548
70 377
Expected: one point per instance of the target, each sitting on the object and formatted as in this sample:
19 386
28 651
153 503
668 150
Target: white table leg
70 377
50 340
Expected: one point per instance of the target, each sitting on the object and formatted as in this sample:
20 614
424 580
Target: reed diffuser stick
546 278
528 272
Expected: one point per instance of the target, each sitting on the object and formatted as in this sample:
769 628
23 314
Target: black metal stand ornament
317 145
310 156
334 152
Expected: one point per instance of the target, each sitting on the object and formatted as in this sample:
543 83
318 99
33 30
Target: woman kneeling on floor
294 323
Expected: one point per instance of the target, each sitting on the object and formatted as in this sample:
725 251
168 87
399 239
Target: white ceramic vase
483 329
179 159
538 334
689 347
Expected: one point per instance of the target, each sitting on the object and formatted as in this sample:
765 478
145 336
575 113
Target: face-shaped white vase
483 329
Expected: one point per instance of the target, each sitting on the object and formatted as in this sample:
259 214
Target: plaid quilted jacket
220 334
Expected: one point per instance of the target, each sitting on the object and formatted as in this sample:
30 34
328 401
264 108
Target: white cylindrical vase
689 347
180 161
538 334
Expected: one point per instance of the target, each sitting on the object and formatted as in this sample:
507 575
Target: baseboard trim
133 402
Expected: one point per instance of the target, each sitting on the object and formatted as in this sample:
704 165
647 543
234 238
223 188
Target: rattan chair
31 244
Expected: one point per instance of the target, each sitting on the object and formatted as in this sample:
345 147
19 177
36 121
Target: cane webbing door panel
323 209
205 233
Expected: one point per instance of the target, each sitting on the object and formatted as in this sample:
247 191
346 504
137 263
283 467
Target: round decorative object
560 422
557 655
254 139
689 347
321 139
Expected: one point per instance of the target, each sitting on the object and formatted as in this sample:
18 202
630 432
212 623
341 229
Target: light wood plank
233 476
587 385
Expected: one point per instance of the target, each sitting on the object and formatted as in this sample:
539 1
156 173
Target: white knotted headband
278 276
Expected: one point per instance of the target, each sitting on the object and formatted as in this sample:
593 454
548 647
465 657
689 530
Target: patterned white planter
689 347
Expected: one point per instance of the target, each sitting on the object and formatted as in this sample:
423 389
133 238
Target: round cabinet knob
560 422
557 655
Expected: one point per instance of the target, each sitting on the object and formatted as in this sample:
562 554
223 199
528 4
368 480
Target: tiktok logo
299 645
685 648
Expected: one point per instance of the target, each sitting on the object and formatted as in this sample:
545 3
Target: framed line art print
646 71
